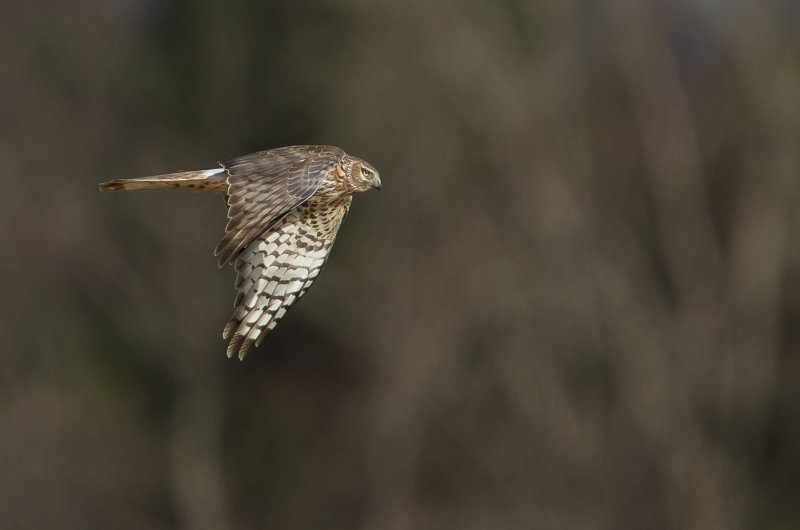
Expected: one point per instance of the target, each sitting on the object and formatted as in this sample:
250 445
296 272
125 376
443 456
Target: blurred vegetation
574 305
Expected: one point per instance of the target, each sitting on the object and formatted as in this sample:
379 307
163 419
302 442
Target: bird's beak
377 183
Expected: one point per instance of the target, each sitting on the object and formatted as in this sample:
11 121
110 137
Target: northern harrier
285 206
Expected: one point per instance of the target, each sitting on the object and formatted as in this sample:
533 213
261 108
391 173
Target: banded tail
213 180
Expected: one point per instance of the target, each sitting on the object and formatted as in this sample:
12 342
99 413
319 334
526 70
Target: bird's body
285 207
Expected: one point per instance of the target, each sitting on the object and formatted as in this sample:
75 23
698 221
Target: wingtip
233 345
239 344
244 349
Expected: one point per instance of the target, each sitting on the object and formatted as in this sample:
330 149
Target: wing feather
263 187
275 270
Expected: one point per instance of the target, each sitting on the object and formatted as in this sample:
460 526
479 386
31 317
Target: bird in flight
285 207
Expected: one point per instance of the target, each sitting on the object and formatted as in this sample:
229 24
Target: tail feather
212 180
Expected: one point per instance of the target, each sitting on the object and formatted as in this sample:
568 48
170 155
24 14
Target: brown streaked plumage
285 207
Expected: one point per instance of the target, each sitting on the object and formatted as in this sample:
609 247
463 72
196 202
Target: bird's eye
366 172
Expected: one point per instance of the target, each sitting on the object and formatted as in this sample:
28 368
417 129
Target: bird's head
364 176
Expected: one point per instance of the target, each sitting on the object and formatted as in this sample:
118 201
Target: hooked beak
377 183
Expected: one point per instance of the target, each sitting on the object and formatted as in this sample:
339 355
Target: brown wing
264 186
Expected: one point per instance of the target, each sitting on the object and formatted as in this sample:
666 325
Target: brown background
574 305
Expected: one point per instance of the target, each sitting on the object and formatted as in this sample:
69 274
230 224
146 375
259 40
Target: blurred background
574 305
